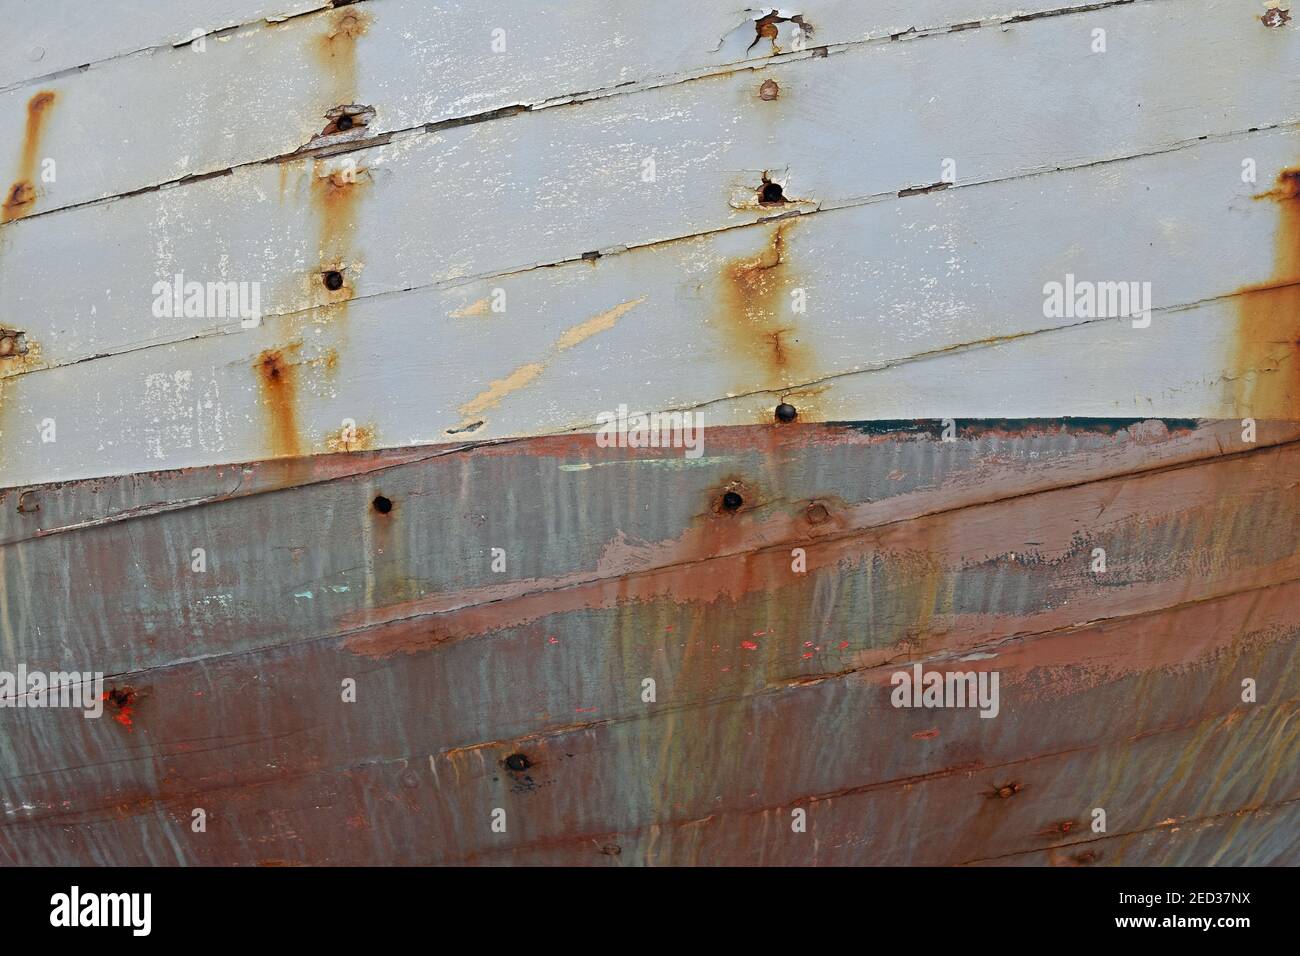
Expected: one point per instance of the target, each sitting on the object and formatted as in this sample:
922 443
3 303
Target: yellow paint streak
476 308
595 325
501 387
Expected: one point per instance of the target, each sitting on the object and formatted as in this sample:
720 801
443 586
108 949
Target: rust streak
1266 366
758 318
278 381
21 195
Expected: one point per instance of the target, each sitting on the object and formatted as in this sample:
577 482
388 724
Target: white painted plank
265 90
661 327
46 37
554 184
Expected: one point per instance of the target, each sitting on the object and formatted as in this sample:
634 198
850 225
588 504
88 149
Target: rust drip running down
1266 366
21 195
758 316
277 379
336 188
335 51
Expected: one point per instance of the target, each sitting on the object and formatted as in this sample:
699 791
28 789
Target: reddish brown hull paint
523 691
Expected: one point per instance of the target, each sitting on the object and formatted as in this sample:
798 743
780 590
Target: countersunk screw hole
333 280
786 412
518 763
732 501
382 504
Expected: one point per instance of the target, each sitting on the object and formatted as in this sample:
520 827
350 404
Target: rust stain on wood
335 51
1266 366
277 378
22 193
758 319
335 193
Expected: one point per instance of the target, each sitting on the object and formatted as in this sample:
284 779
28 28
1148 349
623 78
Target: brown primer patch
277 378
1266 363
21 195
335 187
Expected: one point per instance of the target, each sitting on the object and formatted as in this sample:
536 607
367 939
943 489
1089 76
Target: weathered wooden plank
1258 837
1083 710
411 63
41 39
709 629
883 282
283 585
959 818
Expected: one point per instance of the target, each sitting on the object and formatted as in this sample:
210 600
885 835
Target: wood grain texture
43 39
954 278
1120 689
412 62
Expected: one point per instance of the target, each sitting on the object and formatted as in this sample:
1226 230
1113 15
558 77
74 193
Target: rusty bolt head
7 345
769 90
731 501
785 412
1275 17
817 513
343 123
333 280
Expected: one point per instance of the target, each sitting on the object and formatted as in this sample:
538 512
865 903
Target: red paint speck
926 734
552 640
749 645
843 644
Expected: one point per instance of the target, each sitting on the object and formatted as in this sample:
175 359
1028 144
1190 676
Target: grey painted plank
884 282
55 35
413 62
553 185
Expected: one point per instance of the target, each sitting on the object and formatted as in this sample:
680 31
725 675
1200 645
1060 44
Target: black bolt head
731 501
785 412
333 280
518 763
